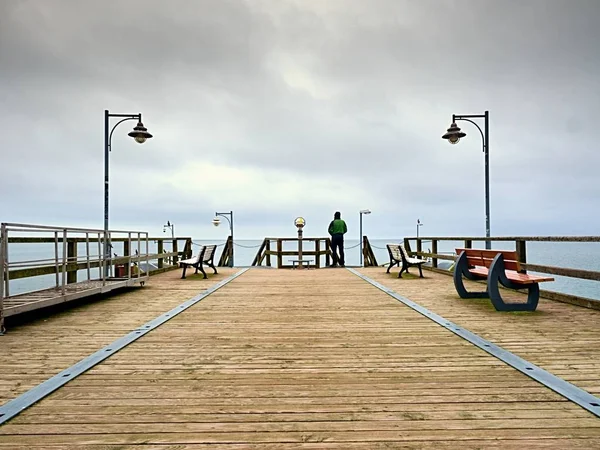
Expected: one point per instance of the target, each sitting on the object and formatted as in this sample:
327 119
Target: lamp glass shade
216 222
140 133
299 222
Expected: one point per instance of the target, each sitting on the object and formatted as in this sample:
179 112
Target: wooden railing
165 260
227 253
273 247
520 245
369 259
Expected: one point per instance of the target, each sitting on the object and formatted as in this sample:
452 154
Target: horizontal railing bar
512 238
33 228
552 270
16 274
43 240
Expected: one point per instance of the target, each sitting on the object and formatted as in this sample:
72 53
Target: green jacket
337 226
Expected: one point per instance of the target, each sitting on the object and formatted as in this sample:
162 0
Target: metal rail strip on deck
558 385
24 401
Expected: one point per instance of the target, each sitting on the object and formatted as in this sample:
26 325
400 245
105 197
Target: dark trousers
337 242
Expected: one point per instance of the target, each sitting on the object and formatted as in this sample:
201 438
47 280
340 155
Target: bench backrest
483 258
403 250
394 251
200 255
209 252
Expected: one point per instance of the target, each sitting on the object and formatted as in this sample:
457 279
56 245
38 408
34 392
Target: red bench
497 267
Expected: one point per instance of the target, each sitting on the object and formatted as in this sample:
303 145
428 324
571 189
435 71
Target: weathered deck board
293 358
558 337
49 343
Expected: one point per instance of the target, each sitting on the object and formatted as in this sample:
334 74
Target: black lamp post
360 213
216 222
454 134
171 226
140 134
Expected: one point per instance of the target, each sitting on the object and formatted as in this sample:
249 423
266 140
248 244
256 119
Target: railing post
72 259
127 252
434 250
521 247
419 246
317 253
279 255
161 248
407 245
327 252
268 251
175 250
468 243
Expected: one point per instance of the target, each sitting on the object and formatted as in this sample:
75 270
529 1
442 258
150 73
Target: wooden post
161 249
434 249
72 258
317 253
268 249
175 250
522 253
419 246
468 243
327 252
279 255
407 245
126 252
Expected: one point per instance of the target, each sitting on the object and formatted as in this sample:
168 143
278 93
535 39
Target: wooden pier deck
301 359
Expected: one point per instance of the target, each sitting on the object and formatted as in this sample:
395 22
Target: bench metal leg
184 269
498 275
212 266
461 268
199 267
420 270
392 264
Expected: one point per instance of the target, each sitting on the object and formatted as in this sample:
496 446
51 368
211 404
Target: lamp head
216 221
454 134
365 211
140 133
300 222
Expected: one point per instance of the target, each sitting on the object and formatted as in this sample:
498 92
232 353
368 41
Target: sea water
577 255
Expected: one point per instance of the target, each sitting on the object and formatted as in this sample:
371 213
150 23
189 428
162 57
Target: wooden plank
288 358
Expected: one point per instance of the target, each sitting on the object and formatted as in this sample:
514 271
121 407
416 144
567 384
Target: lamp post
140 134
172 227
360 213
419 224
299 222
454 134
216 222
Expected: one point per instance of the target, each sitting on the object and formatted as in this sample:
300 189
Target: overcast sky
279 108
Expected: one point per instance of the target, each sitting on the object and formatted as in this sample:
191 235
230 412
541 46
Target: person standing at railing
337 229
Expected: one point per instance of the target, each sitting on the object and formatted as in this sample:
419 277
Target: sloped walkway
315 358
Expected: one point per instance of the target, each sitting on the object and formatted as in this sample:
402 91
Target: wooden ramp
312 358
22 303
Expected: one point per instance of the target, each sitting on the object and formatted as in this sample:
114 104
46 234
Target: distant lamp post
360 213
419 224
140 134
454 135
300 222
172 227
216 222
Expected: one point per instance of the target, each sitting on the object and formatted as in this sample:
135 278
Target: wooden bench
399 255
205 256
496 266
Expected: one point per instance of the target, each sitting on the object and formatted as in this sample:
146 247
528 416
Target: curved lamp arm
137 117
478 127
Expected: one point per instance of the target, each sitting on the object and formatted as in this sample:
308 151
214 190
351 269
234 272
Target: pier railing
69 252
312 249
416 245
